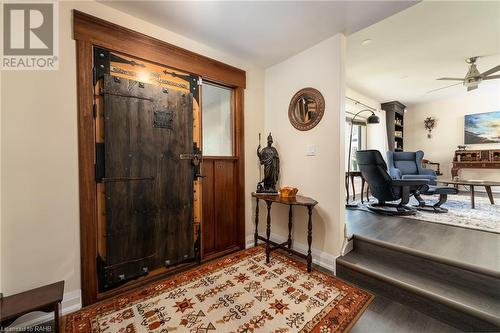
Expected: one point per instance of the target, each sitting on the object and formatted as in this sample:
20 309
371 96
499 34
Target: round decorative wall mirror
306 109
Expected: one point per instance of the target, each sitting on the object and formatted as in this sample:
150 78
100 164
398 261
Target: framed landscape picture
482 128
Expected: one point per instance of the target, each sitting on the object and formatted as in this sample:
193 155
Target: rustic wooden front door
148 186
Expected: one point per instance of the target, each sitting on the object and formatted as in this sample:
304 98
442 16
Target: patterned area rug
484 217
239 293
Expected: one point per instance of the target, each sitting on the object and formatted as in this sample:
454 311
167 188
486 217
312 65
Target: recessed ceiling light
366 42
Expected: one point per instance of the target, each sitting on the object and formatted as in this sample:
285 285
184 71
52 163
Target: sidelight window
217 120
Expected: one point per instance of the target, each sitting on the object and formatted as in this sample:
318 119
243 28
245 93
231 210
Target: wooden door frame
90 31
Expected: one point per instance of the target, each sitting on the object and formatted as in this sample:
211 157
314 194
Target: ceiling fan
473 77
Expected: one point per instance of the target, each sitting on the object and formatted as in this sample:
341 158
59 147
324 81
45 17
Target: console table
475 159
299 200
47 298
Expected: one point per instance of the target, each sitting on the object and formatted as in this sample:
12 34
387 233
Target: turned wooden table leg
309 239
347 188
290 217
256 234
57 319
353 189
472 201
268 231
490 194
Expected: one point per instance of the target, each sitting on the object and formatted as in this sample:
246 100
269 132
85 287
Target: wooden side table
287 246
351 175
47 298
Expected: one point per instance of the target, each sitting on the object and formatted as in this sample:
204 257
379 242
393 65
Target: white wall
449 130
363 98
320 176
1 177
40 216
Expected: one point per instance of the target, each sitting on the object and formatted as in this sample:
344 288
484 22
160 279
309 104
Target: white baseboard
249 242
72 301
320 258
347 247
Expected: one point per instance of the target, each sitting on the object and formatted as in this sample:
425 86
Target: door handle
195 158
190 156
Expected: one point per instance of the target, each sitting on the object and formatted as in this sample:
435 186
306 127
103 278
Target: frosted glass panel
217 120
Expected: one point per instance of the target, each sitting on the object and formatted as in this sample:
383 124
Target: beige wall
376 134
321 67
40 216
1 177
449 130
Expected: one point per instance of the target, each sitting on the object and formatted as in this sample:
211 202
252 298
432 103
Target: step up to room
457 294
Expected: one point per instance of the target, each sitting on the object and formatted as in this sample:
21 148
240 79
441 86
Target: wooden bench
47 299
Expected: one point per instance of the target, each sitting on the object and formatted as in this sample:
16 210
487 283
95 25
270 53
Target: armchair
384 187
408 165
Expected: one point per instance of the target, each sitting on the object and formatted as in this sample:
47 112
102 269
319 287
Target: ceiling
261 32
413 48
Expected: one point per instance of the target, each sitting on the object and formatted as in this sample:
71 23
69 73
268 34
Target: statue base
261 189
268 192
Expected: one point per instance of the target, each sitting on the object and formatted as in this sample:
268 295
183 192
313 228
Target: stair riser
434 309
436 270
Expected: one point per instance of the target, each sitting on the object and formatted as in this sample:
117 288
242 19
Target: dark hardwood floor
448 273
386 316
477 248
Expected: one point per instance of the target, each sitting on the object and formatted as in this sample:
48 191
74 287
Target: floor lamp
373 119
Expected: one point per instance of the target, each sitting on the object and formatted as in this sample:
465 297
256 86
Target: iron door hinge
99 161
194 86
101 63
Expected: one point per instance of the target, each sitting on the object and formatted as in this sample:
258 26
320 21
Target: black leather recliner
384 188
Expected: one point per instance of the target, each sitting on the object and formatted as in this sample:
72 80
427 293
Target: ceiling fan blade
471 88
491 71
443 87
450 79
491 77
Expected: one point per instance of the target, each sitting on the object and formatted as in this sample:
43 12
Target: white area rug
484 217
